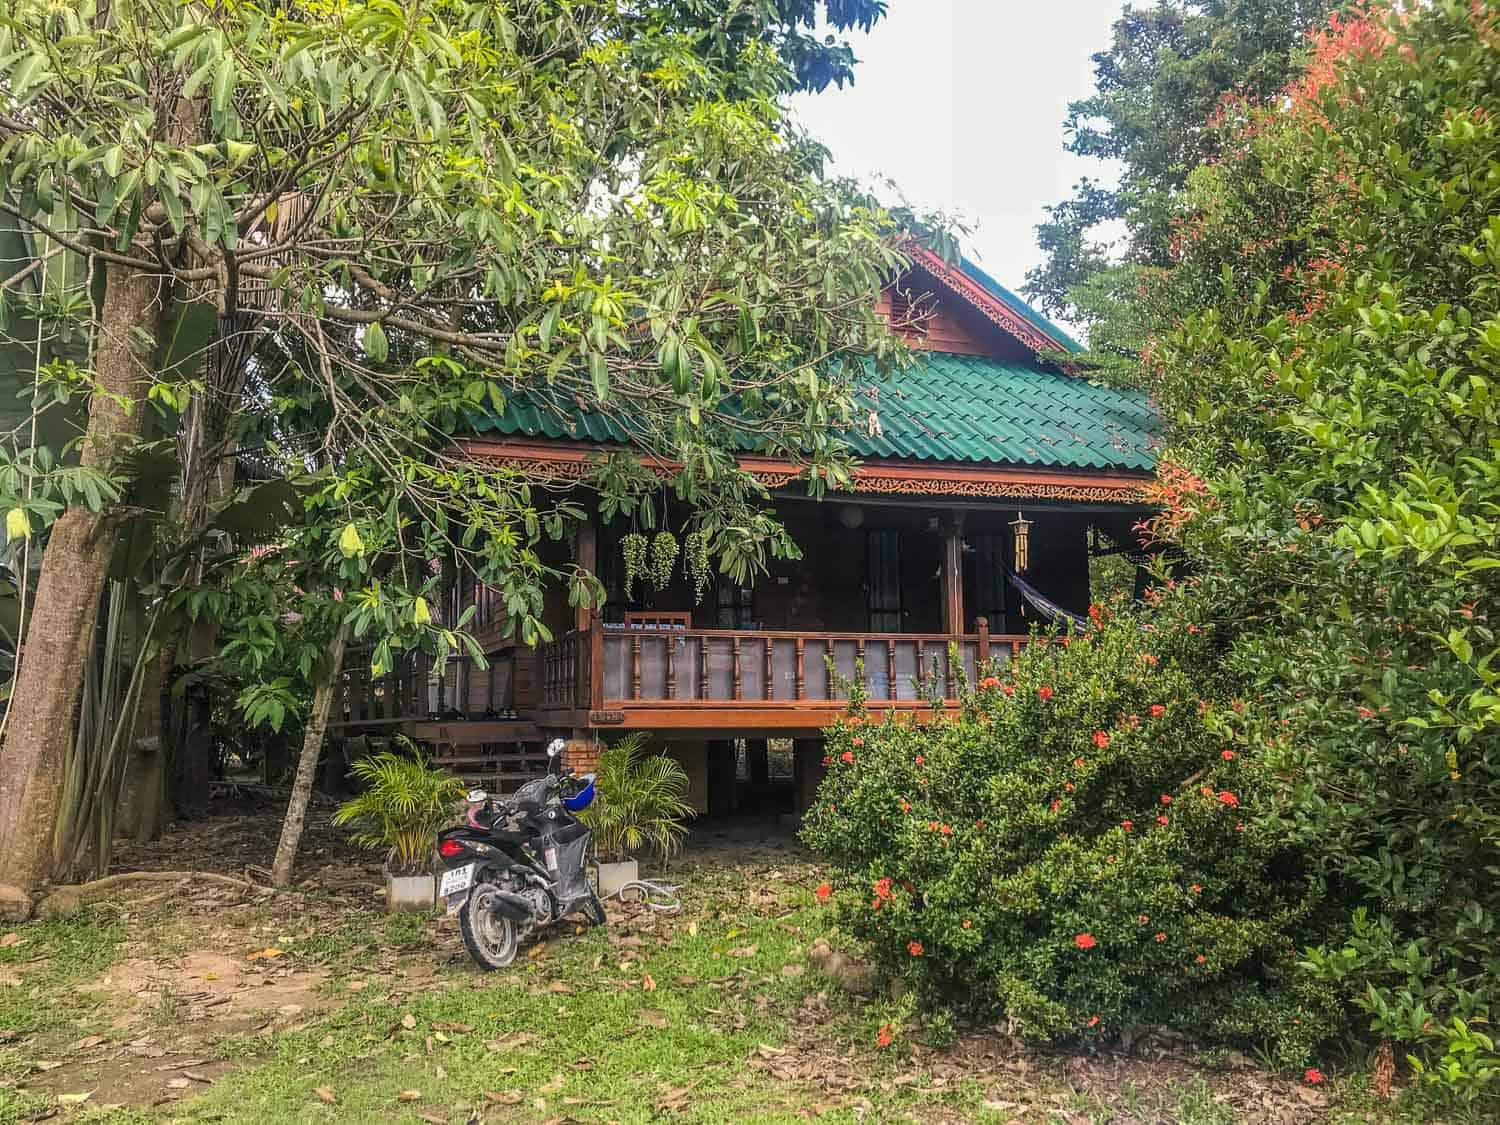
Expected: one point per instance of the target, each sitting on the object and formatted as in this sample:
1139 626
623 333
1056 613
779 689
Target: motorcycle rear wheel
489 936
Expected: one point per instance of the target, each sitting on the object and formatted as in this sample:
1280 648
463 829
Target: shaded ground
214 1004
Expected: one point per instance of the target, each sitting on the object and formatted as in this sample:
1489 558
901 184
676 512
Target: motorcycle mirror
555 747
478 796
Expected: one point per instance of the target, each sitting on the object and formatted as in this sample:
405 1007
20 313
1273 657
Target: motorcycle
518 864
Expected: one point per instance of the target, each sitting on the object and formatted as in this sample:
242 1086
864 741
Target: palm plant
404 806
638 802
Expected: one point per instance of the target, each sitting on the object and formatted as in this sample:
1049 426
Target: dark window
989 580
883 581
734 606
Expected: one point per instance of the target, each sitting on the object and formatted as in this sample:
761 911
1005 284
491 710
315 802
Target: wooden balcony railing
642 665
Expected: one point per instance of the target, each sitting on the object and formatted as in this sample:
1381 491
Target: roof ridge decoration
994 302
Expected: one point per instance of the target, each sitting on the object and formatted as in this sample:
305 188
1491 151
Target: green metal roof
948 408
1020 306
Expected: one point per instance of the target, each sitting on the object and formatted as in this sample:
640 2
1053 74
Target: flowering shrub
1075 852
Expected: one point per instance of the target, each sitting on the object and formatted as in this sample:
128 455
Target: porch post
586 552
953 574
589 644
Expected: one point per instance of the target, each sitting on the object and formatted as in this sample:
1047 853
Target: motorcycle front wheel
488 935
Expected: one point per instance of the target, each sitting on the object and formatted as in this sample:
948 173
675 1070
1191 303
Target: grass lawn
317 1008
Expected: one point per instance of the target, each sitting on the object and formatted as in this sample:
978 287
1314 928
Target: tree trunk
142 803
307 764
74 566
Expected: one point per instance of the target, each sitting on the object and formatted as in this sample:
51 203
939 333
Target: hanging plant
633 548
663 559
695 562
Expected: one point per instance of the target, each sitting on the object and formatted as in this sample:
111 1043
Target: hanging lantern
1021 527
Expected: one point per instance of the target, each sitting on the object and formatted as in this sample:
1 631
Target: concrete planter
410 894
613 876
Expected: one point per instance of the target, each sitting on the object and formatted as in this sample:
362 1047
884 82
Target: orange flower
1228 798
1056 805
1313 1075
1162 821
914 948
1127 824
968 925
1161 937
824 890
1157 710
1093 1021
1007 689
946 830
847 757
1227 755
856 742
1084 941
905 805
1143 919
932 826
1101 739
1044 694
1200 959
1078 763
921 761
884 1038
1197 888
1166 800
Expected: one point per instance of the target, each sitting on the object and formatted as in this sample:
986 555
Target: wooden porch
673 677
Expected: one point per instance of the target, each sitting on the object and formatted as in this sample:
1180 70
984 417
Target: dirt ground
211 978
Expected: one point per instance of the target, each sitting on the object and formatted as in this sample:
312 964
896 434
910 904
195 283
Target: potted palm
403 806
638 807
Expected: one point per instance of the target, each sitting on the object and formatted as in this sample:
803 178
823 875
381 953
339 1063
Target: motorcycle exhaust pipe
514 907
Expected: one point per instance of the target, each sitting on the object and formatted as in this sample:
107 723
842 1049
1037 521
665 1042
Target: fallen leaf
432 1119
509 1097
326 1042
357 985
86 1043
178 1084
793 970
409 1095
268 954
648 983
557 1083
196 1077
325 1095
408 1021
653 1018
745 951
46 1065
692 929
510 1042
558 986
74 1099
460 1027
10 939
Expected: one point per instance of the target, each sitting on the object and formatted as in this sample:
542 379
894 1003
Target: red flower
968 925
827 761
1078 763
905 805
946 830
1084 941
989 683
1044 694
1200 959
1239 827
1093 1021
885 1038
1366 713
882 888
1197 888
1162 821
856 742
1067 787
979 824
1101 739
824 890
1157 710
1161 937
1007 689
1056 805
1166 800
1228 798
1313 1075
1127 824
876 903
921 761
1227 755
932 826
1143 919
847 757
914 948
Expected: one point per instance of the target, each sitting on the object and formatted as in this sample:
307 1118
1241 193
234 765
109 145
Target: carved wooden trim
993 308
560 462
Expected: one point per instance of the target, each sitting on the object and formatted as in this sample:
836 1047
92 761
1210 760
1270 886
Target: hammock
1049 609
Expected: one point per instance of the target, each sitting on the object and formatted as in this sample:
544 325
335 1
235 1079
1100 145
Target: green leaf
373 340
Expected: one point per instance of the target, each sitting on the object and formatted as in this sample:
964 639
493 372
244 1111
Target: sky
961 103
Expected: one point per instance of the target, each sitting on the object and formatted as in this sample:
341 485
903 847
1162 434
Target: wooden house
987 475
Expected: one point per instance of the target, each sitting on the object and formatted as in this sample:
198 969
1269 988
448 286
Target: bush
1079 849
640 802
405 805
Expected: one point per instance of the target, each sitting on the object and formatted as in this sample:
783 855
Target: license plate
459 879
